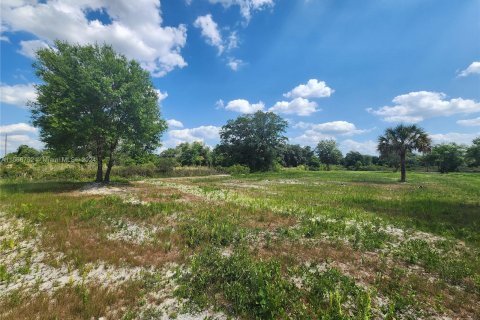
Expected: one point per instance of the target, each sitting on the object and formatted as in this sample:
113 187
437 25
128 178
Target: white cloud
460 138
298 106
473 68
247 7
135 28
30 47
18 94
470 122
243 106
17 128
312 89
161 95
16 140
209 30
234 64
311 138
172 123
368 147
337 127
201 134
418 106
219 104
18 134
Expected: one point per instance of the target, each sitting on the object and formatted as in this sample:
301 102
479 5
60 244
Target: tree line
95 102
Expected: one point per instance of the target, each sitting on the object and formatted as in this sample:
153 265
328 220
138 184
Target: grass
292 244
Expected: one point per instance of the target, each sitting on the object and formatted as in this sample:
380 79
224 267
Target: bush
238 169
16 170
165 165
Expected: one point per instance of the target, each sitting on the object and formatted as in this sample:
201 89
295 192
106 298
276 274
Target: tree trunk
110 162
109 169
402 167
99 169
328 166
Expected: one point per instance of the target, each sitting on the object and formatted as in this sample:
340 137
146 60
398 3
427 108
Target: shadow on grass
44 186
440 216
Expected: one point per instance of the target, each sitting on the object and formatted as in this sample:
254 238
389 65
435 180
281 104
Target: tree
473 153
294 155
253 140
193 154
95 101
402 140
353 159
448 157
328 152
27 152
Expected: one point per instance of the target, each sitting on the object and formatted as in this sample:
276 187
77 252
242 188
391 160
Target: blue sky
335 69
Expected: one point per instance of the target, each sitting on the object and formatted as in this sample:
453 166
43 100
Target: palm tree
401 140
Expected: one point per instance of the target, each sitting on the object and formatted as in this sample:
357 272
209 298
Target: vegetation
400 141
252 140
328 153
288 244
93 101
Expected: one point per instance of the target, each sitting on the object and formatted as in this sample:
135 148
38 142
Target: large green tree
401 140
473 153
328 153
253 140
448 156
95 101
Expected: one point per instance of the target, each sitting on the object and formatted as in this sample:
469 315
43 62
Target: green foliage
402 140
252 140
328 152
473 153
448 157
237 169
95 101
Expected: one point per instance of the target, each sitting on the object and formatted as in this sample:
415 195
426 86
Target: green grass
291 244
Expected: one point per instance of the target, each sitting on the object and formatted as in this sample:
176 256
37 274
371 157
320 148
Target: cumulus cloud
18 134
172 123
30 47
328 130
298 106
460 138
418 106
17 128
470 122
18 94
473 68
311 138
161 95
247 7
135 28
368 147
201 134
312 89
243 106
209 30
332 127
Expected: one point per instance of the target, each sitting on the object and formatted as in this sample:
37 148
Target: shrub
238 169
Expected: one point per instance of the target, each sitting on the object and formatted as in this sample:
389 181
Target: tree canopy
328 152
253 140
95 101
400 141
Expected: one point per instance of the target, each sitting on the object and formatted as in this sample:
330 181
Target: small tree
402 140
253 140
353 159
473 153
95 101
448 157
328 152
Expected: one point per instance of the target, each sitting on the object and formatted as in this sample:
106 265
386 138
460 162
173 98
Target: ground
293 244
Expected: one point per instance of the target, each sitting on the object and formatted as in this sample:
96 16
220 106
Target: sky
342 70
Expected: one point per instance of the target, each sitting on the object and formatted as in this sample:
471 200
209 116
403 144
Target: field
292 244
